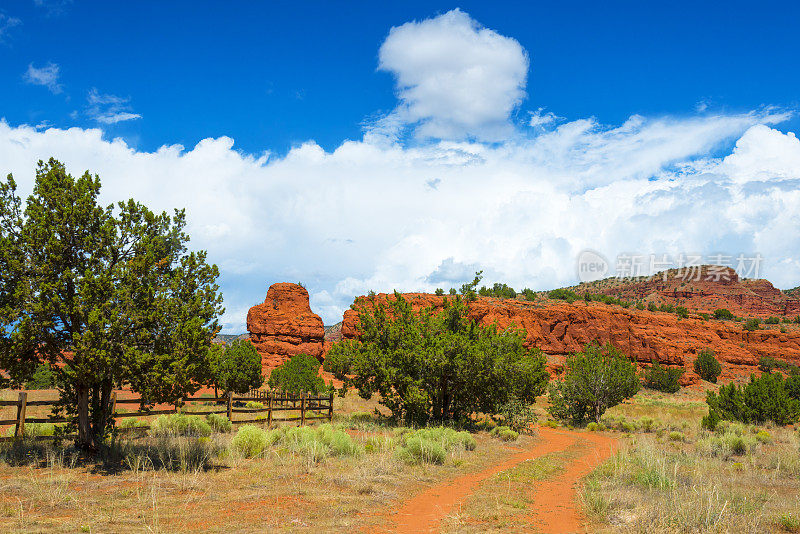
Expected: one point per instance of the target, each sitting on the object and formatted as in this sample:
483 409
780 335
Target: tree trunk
84 425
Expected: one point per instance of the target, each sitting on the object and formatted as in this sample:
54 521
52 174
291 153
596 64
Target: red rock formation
559 328
704 288
284 326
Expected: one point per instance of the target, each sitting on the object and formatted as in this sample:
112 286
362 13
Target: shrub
439 292
648 424
752 324
675 436
236 367
772 320
723 314
179 424
518 415
663 378
639 305
453 291
681 312
797 319
431 445
254 405
652 307
250 441
42 378
218 422
593 427
704 316
595 379
763 436
766 364
765 398
132 422
298 375
707 366
504 433
563 294
441 366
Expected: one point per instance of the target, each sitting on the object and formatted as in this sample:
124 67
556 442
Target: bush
763 436
563 294
595 379
518 415
504 433
436 367
663 378
675 436
772 320
648 424
236 367
765 398
681 312
179 424
439 292
595 427
723 314
218 422
652 307
431 445
752 324
250 441
42 378
254 405
707 366
132 422
297 376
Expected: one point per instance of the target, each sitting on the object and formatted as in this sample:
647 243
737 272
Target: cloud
109 109
46 76
7 22
455 78
363 217
389 211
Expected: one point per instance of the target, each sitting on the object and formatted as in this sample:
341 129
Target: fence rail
311 408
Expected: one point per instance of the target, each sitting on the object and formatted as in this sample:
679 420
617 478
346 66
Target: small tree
236 367
707 366
663 378
595 379
469 291
297 376
752 325
766 398
723 314
438 367
439 292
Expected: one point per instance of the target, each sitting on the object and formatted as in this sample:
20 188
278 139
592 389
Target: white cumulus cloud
454 77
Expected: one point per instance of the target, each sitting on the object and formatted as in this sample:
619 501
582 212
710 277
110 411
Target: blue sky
360 145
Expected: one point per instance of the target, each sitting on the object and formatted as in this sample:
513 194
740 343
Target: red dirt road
554 509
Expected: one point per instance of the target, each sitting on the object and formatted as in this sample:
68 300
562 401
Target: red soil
554 508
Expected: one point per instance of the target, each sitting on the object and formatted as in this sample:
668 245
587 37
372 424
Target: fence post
269 411
303 408
21 407
230 406
113 405
330 408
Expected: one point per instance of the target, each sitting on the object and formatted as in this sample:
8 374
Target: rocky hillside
559 328
704 290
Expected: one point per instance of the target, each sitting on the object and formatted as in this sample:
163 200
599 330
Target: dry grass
279 491
662 482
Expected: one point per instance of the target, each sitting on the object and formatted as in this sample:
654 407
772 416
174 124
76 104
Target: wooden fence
310 408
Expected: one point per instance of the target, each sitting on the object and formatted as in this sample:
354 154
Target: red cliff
284 326
559 328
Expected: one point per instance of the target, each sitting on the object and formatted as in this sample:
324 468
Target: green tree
298 375
723 314
236 367
663 378
707 366
439 292
766 398
595 379
752 325
436 366
469 291
108 296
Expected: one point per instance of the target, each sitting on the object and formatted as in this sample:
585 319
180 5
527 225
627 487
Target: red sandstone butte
284 326
559 329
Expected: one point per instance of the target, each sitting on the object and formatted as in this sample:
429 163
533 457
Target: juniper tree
109 296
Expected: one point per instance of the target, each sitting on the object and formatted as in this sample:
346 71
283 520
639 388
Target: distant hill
705 289
333 332
224 339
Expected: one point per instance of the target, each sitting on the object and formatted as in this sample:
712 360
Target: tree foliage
707 366
436 366
236 367
595 379
298 375
766 398
107 295
663 378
